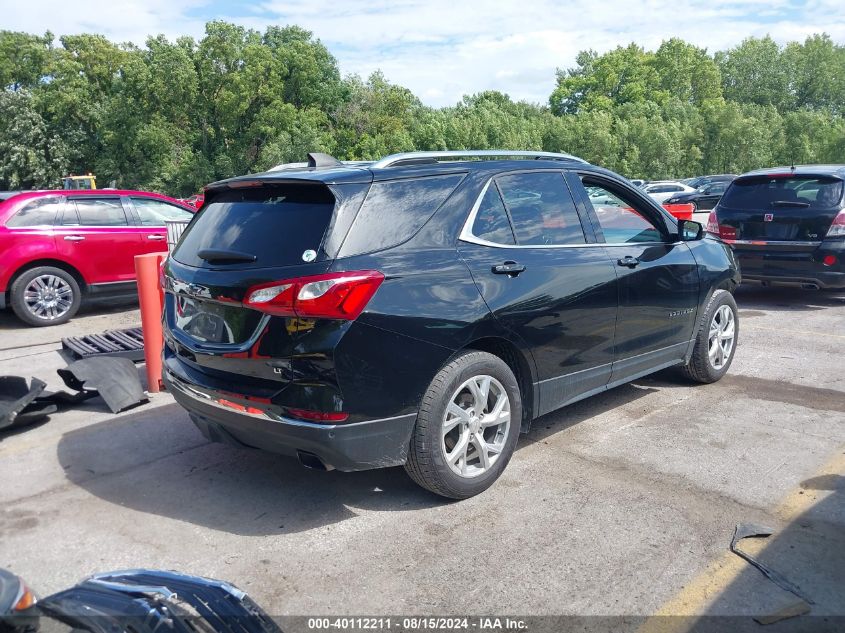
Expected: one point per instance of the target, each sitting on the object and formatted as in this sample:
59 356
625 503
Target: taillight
712 224
837 229
719 230
329 296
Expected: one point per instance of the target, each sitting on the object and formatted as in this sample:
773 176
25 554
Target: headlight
671 201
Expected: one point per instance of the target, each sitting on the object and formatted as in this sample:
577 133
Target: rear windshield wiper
222 257
789 203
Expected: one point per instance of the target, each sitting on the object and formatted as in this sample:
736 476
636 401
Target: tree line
172 116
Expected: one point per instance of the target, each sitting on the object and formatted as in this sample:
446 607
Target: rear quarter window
276 224
395 210
39 212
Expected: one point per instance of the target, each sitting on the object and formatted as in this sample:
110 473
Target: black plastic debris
750 530
116 380
127 343
17 399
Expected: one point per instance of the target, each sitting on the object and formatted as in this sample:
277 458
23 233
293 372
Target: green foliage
31 156
172 116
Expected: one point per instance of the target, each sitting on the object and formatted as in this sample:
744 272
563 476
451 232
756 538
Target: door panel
96 236
658 301
658 281
560 299
563 305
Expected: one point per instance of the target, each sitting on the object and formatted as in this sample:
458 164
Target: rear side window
395 210
95 212
766 192
154 212
541 209
275 224
40 212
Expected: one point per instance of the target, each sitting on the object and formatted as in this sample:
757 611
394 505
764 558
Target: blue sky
443 49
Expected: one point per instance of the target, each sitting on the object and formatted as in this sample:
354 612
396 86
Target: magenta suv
58 247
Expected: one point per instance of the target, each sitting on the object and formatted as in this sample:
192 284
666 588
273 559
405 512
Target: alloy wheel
476 426
48 297
721 336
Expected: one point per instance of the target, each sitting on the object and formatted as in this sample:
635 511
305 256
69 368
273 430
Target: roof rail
418 157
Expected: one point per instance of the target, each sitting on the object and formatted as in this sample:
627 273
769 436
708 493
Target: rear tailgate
242 238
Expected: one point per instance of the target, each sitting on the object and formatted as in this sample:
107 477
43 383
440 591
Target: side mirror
690 231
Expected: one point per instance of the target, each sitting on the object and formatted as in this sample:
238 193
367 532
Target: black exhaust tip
310 460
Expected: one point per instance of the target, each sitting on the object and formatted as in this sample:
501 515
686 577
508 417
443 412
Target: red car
58 247
195 201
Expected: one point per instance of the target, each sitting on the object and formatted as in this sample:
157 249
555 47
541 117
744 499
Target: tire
694 206
428 457
706 367
62 299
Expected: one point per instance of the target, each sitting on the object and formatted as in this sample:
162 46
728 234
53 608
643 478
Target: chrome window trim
772 243
466 234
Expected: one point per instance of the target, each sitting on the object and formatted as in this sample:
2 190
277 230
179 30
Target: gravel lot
621 504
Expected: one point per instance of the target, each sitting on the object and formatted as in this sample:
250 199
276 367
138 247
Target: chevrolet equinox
423 309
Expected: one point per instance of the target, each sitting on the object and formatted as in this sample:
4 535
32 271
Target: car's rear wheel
715 343
694 206
467 427
45 296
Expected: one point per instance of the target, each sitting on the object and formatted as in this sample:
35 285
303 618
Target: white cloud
443 49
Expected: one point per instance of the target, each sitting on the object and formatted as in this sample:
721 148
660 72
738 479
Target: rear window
275 224
766 192
395 210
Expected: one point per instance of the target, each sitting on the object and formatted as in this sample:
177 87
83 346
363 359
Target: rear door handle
73 238
630 262
508 268
157 238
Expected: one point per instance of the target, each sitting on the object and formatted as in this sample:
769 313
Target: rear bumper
347 447
781 264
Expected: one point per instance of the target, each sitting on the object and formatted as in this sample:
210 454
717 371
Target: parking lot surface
621 504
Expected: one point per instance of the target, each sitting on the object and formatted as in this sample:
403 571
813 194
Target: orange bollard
150 298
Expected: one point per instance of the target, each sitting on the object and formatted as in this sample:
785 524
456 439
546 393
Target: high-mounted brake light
837 229
329 296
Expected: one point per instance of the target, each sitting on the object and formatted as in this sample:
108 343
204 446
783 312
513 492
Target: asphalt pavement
622 504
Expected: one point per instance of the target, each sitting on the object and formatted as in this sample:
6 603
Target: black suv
786 225
425 308
704 198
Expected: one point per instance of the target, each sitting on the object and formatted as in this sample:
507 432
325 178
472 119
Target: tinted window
663 189
154 212
491 222
619 220
276 224
541 209
40 212
394 211
716 187
764 192
95 212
